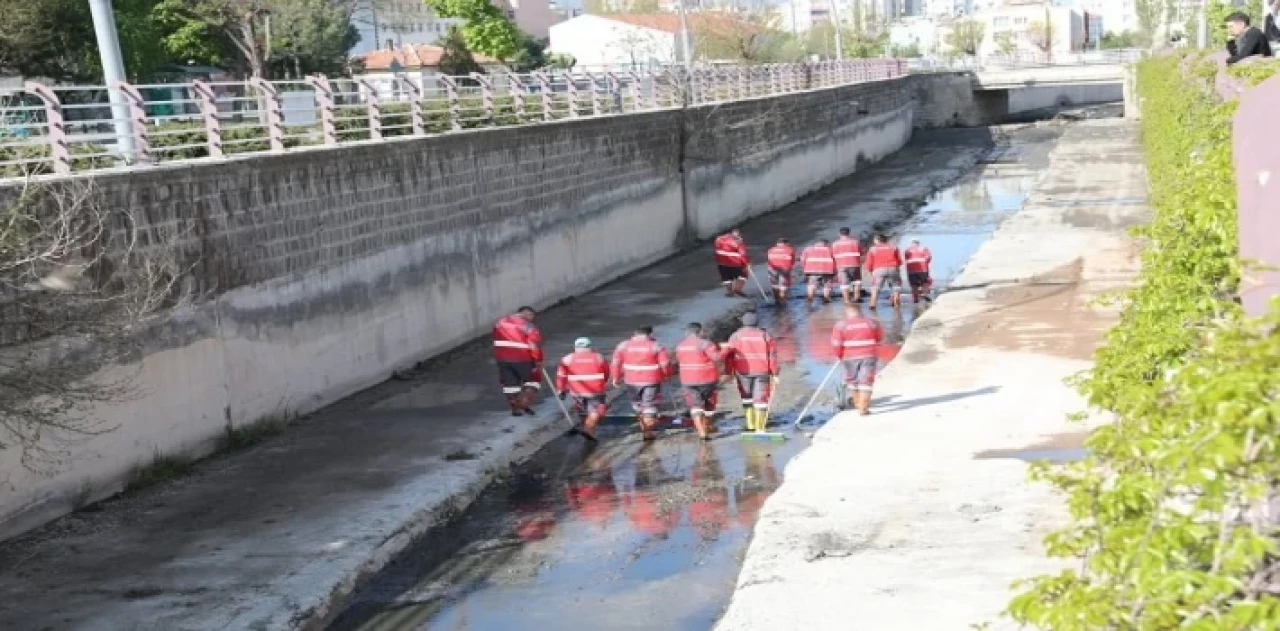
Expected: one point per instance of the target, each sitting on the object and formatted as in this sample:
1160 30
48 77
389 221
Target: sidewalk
277 536
920 516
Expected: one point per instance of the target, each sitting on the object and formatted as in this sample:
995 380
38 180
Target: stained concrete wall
327 270
1032 98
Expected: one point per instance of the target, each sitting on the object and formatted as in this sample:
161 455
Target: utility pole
104 27
687 43
1202 26
835 21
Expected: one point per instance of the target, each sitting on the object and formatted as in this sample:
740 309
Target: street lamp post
835 21
686 42
104 27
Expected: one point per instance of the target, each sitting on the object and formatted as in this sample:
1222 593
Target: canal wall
323 272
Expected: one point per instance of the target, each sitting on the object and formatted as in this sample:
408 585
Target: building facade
1031 29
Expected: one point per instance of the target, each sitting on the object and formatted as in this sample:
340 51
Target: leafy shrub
1164 511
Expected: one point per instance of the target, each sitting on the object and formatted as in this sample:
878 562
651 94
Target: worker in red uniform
819 266
848 255
883 263
642 364
697 357
584 375
918 260
855 340
782 259
753 354
731 258
517 349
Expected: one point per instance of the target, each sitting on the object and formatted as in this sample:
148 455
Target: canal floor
625 534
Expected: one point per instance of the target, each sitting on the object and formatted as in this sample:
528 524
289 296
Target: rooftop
411 57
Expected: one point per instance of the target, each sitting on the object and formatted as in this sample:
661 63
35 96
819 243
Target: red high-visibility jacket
848 252
883 255
731 251
583 372
640 361
856 338
782 257
515 339
752 351
818 259
918 259
697 358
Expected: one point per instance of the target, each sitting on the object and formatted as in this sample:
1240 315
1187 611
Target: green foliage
311 36
563 61
856 44
531 56
487 30
908 51
1005 42
1162 530
1216 12
55 39
966 36
1123 39
1151 14
456 59
1255 71
162 468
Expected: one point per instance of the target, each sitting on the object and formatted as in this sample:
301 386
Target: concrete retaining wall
330 269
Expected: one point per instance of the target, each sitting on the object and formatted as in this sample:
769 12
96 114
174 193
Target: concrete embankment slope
920 516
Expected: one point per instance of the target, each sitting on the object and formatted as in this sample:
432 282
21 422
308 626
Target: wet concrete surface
625 534
1066 447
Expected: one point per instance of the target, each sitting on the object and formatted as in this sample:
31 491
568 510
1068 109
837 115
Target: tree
1005 42
311 36
487 30
207 27
531 56
749 37
966 36
562 61
1041 35
905 51
456 60
1123 39
55 39
1151 15
78 291
611 7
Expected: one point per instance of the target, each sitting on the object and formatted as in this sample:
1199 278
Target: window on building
1020 21
390 44
1000 22
511 14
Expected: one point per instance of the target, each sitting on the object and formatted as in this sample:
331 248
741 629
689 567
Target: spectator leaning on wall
1246 41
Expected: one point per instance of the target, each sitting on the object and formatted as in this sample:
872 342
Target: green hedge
1154 538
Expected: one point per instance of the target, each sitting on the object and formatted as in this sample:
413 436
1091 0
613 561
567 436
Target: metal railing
1024 59
68 129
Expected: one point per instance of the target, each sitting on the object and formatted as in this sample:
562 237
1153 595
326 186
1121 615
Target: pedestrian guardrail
1014 61
68 129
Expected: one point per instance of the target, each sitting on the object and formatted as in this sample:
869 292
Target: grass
162 468
166 467
244 436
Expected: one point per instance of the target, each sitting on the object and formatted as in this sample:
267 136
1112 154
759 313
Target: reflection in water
755 487
709 511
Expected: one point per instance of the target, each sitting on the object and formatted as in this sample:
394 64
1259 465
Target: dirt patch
1047 313
1103 218
1060 447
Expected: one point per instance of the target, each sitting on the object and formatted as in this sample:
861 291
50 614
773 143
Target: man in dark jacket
1246 41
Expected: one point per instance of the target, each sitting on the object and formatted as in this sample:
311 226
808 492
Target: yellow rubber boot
751 419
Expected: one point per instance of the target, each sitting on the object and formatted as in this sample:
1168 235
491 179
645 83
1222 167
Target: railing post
275 117
208 103
451 91
369 93
59 152
544 87
137 122
615 91
518 91
637 98
595 94
486 94
415 104
572 83
324 100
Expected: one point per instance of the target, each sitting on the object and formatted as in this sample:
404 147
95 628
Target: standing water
626 534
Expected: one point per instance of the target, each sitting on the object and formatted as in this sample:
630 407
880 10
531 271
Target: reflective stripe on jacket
583 372
817 259
782 257
640 361
918 259
856 338
883 255
697 358
516 339
752 351
848 253
731 251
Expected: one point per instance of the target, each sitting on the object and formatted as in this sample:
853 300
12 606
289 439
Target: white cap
582 342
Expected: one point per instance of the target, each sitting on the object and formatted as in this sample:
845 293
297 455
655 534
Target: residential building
923 33
387 24
1117 16
633 41
534 17
798 16
1035 28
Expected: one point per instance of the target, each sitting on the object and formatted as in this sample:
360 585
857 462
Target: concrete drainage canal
625 534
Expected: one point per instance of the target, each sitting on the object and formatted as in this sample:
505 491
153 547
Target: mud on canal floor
625 534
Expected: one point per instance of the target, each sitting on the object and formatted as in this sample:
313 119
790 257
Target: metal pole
1202 26
835 21
104 26
687 43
